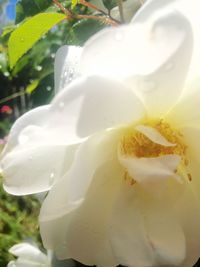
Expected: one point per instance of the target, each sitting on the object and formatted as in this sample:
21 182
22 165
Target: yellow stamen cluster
138 145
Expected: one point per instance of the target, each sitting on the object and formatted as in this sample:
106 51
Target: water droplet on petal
51 178
23 139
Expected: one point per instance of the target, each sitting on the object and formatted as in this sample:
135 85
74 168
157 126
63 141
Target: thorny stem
70 15
120 6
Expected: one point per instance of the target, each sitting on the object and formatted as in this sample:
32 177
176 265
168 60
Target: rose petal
86 106
35 168
145 231
29 252
66 66
187 210
35 117
144 170
150 64
87 221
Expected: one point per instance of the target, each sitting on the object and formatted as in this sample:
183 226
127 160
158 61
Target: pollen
136 144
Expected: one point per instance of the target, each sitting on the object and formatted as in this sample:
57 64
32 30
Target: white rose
28 256
119 146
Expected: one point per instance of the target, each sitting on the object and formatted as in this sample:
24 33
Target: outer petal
191 12
22 163
149 58
150 7
86 106
66 66
187 210
188 8
88 221
88 159
35 168
137 49
186 112
35 117
28 251
144 231
82 233
90 155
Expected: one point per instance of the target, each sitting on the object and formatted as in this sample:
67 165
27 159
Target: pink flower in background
6 109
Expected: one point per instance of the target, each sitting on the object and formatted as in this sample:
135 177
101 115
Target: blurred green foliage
18 222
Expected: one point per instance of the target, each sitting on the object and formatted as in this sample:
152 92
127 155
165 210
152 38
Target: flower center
135 143
152 140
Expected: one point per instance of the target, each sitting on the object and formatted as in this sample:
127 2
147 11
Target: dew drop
38 68
23 139
65 73
49 88
51 178
22 39
6 73
53 55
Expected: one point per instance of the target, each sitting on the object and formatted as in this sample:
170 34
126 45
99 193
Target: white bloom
28 256
119 146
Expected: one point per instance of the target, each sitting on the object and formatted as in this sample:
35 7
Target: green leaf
109 4
74 3
84 29
27 8
8 29
32 86
27 34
